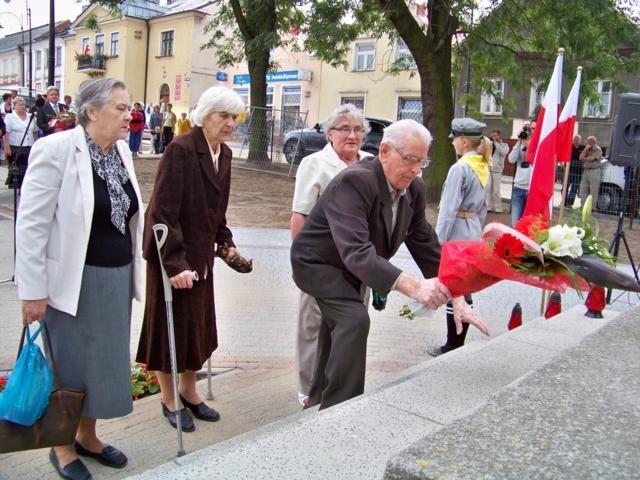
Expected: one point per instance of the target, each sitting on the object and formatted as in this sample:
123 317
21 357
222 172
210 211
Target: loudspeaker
625 139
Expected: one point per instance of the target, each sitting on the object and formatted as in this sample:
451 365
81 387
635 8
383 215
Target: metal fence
269 140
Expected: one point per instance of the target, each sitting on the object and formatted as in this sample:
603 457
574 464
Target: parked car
297 144
611 191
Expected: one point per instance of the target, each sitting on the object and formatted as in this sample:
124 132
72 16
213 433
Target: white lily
564 241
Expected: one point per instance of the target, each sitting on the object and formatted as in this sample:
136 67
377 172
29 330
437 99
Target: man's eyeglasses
411 160
358 132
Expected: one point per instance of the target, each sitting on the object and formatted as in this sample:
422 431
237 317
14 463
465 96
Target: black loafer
202 411
76 470
185 419
109 456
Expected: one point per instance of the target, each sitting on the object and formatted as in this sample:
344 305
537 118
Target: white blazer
54 221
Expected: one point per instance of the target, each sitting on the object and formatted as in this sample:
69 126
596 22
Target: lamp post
21 47
52 43
26 2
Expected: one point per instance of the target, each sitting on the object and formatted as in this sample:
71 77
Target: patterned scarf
109 168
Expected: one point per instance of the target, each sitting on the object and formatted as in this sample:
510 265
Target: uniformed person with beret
463 205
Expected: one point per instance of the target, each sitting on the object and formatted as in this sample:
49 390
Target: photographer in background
499 150
523 172
591 157
575 171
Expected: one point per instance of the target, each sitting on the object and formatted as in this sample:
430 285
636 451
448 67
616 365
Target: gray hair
95 93
217 99
398 131
346 110
53 87
593 139
18 99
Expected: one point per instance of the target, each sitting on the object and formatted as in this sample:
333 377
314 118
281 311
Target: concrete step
356 439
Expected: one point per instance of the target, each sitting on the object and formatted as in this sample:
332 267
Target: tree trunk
437 113
258 135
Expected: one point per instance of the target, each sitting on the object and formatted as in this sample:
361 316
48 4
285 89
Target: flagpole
565 182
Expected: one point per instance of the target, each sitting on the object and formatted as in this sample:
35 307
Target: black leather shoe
435 351
185 419
109 456
202 411
75 470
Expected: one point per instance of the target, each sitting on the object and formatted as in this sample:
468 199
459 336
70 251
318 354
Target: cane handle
160 231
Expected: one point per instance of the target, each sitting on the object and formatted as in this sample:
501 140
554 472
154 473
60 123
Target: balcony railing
92 65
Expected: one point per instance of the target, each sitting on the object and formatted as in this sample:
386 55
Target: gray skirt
91 350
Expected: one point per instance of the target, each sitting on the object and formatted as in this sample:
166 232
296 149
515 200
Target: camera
525 133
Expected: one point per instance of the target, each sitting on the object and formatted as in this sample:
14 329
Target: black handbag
59 423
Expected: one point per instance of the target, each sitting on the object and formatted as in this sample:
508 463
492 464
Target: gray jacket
500 151
523 175
462 191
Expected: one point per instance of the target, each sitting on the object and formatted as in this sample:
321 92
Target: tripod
619 235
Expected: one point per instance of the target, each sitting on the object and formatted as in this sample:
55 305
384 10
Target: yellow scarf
479 167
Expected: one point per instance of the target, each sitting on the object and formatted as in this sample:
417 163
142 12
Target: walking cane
160 231
209 391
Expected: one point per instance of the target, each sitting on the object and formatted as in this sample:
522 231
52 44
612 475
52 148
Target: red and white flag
543 146
567 121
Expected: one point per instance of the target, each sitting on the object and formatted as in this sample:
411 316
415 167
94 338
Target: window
85 45
410 108
490 102
269 97
403 55
115 40
357 101
5 66
38 87
38 59
99 44
58 56
365 57
166 43
58 85
536 97
602 109
291 97
243 93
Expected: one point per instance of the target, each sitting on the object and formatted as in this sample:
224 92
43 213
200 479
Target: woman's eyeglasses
358 132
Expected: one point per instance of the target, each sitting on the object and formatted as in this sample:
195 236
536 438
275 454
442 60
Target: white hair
346 110
95 93
216 99
398 131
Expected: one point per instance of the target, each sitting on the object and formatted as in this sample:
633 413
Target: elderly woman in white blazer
79 259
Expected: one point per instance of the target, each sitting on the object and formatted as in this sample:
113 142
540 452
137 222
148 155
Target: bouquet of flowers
63 121
553 258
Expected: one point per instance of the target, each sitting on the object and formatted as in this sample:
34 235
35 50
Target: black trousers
342 352
453 339
167 136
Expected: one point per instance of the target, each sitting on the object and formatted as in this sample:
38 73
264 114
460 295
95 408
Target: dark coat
347 240
191 199
45 114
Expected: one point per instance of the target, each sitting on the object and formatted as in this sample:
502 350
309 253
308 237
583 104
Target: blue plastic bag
26 396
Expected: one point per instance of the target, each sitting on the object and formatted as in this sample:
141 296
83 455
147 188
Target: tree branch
242 21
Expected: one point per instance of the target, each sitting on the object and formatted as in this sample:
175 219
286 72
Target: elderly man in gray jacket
499 150
367 211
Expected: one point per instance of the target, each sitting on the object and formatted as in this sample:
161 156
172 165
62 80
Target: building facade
368 83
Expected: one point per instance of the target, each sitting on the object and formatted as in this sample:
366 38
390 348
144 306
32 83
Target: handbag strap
27 129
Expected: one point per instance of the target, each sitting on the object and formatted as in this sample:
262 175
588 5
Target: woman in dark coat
190 196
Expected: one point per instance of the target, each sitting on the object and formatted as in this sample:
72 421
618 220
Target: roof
11 42
142 9
188 5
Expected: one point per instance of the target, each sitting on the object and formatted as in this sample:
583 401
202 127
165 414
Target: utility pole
52 43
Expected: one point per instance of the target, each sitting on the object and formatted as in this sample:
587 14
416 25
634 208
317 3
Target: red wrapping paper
468 267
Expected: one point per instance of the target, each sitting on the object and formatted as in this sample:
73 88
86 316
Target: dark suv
297 144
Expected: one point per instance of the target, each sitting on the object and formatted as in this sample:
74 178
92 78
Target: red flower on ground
509 248
3 383
532 226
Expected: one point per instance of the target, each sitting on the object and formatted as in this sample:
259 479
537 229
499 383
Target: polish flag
542 147
567 121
